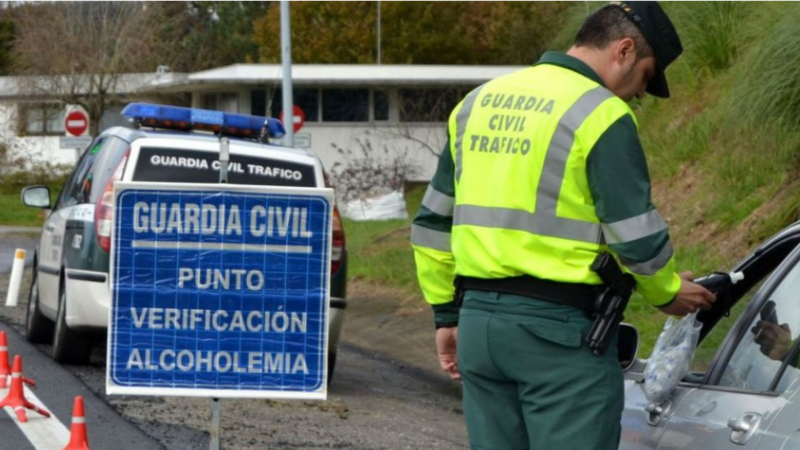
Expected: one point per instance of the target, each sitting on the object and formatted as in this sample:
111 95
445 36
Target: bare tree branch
76 52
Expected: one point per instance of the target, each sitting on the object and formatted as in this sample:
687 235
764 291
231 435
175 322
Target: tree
322 32
413 32
77 52
7 30
215 33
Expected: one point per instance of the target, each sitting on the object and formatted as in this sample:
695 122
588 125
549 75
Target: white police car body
70 292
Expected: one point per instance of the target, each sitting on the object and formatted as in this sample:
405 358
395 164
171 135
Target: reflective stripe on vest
461 123
649 268
544 221
438 203
426 237
634 228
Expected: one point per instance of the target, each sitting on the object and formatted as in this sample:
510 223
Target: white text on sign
206 219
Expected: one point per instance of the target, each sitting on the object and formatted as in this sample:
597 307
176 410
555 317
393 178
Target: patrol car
743 387
70 292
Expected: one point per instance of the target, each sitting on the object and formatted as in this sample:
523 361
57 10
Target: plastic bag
671 357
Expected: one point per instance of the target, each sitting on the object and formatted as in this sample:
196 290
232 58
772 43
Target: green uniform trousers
529 379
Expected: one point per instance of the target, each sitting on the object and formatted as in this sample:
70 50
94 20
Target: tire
38 328
69 347
331 366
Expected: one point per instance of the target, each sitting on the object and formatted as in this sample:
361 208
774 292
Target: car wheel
69 347
331 365
38 328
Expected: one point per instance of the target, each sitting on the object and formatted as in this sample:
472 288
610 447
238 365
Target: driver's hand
774 340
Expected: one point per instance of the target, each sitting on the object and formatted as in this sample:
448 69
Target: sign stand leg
215 415
224 157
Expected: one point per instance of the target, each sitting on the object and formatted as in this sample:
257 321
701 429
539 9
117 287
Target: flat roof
335 75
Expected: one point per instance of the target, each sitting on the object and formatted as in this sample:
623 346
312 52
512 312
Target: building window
345 105
306 99
427 105
43 119
258 102
221 101
380 105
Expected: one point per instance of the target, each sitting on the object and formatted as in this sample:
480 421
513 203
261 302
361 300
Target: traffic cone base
16 395
78 439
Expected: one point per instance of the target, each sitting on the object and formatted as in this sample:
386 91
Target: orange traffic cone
16 395
5 371
78 440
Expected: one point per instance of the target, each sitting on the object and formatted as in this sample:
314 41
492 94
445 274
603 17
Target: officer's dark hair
609 24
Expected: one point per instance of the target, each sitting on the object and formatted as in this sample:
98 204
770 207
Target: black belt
581 296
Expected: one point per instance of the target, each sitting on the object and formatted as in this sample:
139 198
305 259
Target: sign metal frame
269 193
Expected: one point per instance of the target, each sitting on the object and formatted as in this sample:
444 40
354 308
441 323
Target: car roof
130 135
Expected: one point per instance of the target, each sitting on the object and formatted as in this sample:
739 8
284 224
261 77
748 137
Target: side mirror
627 345
36 197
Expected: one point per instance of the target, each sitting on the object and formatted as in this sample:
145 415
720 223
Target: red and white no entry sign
76 123
298 118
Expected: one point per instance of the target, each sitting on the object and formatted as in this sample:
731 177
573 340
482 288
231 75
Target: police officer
544 170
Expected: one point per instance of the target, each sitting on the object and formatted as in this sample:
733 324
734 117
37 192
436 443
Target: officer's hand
774 340
690 298
446 348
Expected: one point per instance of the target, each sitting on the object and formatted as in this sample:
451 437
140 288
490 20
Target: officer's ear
624 51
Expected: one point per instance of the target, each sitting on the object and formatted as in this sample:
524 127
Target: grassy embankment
724 151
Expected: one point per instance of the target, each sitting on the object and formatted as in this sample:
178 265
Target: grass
12 212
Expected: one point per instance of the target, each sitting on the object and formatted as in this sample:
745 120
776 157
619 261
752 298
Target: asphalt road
56 388
12 238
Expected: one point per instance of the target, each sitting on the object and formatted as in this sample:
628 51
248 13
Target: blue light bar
185 119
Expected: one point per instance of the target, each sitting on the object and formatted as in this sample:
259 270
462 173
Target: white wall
417 142
33 149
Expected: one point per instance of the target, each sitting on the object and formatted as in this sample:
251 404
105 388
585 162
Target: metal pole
215 414
379 33
286 45
224 158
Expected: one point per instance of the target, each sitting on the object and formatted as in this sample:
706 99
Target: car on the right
743 387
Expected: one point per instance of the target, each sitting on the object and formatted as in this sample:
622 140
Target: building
397 112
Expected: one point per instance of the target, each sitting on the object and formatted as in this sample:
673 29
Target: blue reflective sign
219 290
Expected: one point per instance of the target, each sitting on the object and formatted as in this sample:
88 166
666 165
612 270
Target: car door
697 400
71 203
744 400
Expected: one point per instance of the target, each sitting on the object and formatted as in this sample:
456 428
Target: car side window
78 188
707 349
762 356
108 156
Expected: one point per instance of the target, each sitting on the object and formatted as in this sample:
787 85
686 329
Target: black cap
656 27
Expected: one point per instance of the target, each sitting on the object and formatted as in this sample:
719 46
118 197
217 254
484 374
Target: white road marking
44 433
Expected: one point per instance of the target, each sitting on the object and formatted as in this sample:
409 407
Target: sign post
219 291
